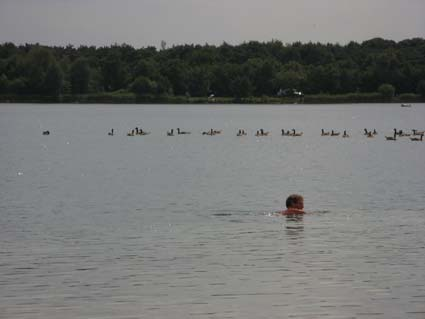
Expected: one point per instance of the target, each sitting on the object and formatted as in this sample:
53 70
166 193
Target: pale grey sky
142 23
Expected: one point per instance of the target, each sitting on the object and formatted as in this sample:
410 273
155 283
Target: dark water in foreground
98 226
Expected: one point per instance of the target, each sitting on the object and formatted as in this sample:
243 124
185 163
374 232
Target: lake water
98 226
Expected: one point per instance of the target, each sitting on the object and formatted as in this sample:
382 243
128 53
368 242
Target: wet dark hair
293 200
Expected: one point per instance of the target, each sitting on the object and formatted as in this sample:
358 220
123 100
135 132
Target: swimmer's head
295 201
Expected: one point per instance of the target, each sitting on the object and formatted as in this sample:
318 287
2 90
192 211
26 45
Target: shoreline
130 98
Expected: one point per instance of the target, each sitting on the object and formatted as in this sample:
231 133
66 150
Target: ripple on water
136 230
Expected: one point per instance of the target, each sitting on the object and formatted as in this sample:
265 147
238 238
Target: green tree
316 54
241 86
17 86
386 90
96 80
177 72
53 81
349 76
115 73
291 75
198 81
36 65
261 73
146 67
164 86
420 89
80 76
330 82
144 86
221 77
262 68
4 83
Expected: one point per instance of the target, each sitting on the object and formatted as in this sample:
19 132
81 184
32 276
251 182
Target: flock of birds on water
414 135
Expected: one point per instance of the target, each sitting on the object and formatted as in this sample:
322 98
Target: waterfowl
392 138
261 133
375 132
416 132
264 133
130 133
140 132
366 132
325 133
287 133
241 133
46 133
210 132
111 133
170 133
181 132
401 133
370 134
296 134
334 133
345 134
417 139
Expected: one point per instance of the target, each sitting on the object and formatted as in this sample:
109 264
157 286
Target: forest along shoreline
373 71
129 98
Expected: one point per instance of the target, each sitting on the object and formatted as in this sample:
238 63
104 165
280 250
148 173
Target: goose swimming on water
294 133
417 139
181 132
416 132
211 132
261 132
241 132
392 138
325 133
287 133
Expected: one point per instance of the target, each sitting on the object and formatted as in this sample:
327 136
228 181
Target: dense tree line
249 69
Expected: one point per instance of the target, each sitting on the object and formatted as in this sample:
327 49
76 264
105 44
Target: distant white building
289 92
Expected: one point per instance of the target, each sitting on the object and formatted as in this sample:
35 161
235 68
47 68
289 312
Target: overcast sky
142 23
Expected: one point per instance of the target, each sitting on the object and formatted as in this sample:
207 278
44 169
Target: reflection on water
93 226
294 226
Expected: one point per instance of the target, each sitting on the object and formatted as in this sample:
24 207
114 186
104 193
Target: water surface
98 226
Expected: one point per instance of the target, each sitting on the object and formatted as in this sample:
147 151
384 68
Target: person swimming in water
294 205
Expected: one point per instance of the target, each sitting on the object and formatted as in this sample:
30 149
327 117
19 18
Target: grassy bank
130 98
